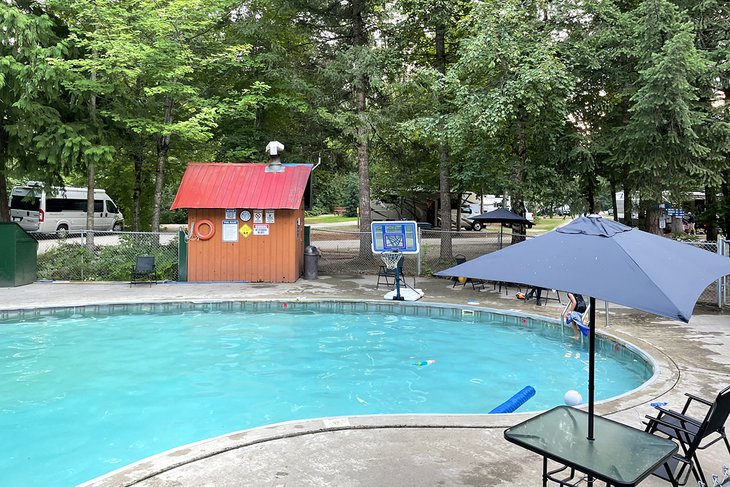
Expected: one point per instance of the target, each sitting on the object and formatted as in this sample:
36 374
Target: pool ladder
564 313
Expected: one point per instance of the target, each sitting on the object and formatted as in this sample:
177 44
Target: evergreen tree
661 140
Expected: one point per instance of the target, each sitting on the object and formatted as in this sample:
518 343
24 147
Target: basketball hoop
391 258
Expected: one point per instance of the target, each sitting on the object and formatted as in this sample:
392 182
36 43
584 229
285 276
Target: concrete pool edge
663 380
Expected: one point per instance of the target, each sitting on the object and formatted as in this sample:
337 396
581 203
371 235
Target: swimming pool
88 390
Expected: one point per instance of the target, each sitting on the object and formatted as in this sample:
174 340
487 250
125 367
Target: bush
73 261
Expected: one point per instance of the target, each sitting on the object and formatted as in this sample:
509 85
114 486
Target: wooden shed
245 221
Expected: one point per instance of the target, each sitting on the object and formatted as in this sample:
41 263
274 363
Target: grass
542 224
545 224
329 219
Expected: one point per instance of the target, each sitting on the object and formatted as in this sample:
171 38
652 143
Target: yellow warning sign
245 230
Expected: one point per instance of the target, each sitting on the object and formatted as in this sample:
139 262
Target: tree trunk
518 198
614 203
4 207
628 205
163 148
363 133
91 174
445 211
725 211
446 252
137 192
709 213
591 195
652 219
363 165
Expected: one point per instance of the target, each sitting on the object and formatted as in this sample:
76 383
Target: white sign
258 216
260 229
230 214
230 230
269 216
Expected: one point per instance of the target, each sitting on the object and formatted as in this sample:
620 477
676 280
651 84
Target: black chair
459 259
144 270
691 433
385 275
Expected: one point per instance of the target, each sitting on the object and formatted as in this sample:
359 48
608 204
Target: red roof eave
229 185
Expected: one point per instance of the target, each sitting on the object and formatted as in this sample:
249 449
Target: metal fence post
83 256
418 256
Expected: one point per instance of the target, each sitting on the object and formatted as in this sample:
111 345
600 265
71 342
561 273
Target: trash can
311 258
19 265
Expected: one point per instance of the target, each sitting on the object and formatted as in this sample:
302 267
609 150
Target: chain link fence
113 254
710 294
111 257
341 253
349 252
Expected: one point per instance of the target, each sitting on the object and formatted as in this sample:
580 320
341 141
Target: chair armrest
679 416
692 397
653 422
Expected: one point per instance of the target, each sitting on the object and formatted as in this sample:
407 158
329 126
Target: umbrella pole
591 365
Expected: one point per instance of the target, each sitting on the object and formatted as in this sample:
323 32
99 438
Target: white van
62 210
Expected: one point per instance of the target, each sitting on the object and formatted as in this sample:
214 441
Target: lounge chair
691 433
144 270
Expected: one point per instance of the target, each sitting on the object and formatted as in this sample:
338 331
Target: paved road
48 242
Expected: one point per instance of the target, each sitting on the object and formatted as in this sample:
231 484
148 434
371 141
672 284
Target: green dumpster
182 256
19 264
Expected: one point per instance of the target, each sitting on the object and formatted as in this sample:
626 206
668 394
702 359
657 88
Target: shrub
73 261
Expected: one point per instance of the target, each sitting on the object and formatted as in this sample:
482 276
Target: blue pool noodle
511 404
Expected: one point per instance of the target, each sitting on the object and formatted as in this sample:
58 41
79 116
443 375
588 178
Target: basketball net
391 258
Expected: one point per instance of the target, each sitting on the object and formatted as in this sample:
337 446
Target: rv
61 210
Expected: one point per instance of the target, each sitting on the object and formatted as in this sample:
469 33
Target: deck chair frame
144 270
691 432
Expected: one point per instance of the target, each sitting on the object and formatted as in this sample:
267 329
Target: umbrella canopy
610 261
500 215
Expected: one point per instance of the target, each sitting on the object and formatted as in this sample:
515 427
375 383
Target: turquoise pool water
81 396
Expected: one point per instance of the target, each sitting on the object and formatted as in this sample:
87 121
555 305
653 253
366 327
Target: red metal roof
228 185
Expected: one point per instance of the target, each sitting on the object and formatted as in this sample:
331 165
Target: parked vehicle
61 210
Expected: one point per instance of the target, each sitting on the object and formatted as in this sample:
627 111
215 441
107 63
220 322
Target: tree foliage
549 102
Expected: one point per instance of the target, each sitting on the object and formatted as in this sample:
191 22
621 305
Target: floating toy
424 363
573 398
511 404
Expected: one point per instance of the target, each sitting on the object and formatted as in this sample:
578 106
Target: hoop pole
397 296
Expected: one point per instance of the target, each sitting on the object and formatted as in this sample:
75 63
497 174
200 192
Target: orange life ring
205 236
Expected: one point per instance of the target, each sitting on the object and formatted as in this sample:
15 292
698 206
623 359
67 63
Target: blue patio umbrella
606 260
504 217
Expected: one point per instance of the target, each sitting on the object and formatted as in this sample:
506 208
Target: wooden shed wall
277 257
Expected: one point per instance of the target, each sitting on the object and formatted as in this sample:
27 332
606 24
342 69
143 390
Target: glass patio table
619 455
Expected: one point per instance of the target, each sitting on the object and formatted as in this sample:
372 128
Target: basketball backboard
395 235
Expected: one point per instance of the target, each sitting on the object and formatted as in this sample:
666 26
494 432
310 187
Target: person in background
534 291
574 315
691 223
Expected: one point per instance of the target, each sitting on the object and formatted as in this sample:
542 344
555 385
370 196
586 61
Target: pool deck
404 450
